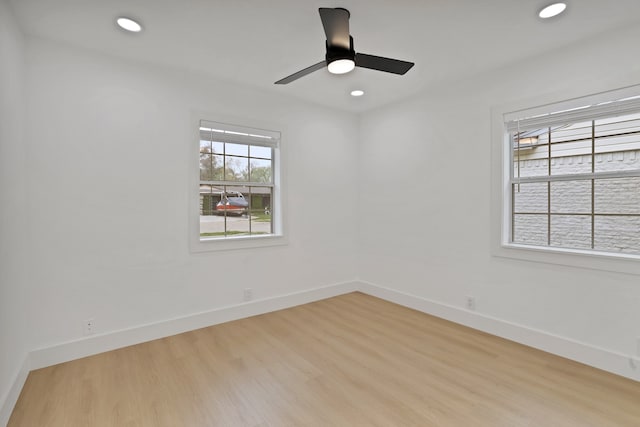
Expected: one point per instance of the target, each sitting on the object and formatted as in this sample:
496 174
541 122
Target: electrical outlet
248 294
89 326
471 303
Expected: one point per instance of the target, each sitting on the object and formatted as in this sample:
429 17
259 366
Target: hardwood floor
345 361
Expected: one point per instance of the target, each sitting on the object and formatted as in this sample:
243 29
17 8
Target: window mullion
513 209
593 183
549 188
249 208
579 176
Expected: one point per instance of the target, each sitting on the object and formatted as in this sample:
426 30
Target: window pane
236 168
217 163
237 225
617 234
618 125
571 197
235 208
571 164
618 161
205 146
211 167
617 195
261 210
571 149
530 229
617 143
528 155
571 231
532 197
530 166
206 167
211 224
209 197
236 149
261 171
579 133
218 147
262 152
211 147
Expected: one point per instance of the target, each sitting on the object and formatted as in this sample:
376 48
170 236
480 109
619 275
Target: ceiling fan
341 57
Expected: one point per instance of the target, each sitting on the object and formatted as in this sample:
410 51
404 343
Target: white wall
425 186
108 149
13 346
106 139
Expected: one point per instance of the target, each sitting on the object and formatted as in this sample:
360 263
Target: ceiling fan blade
336 26
379 63
302 73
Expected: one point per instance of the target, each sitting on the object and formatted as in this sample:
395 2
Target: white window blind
224 132
585 113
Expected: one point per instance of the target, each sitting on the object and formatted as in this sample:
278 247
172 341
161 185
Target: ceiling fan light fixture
341 66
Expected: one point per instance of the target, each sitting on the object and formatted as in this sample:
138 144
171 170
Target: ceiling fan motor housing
335 52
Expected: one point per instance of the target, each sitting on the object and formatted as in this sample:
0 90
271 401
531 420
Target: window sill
240 242
605 261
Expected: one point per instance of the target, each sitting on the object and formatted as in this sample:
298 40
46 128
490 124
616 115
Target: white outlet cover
471 303
89 326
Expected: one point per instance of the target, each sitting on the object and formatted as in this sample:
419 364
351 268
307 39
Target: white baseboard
99 343
10 399
607 360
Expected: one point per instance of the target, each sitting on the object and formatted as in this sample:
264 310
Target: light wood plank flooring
351 360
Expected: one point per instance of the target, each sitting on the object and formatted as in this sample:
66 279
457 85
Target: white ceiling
256 42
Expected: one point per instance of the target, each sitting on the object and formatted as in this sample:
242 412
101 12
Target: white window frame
501 189
278 235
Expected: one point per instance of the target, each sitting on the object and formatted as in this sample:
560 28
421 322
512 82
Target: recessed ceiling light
129 24
357 92
552 10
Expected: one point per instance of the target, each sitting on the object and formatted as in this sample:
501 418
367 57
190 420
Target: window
573 180
238 182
